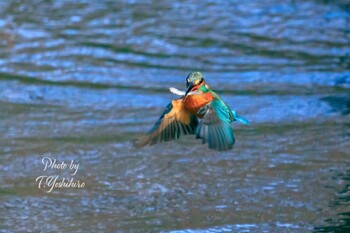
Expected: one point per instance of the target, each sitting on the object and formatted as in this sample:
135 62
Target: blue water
80 80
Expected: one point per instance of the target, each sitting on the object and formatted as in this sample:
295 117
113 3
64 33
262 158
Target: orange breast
196 101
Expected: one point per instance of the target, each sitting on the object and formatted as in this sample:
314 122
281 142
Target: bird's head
193 81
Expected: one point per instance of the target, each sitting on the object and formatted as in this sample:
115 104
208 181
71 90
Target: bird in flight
199 111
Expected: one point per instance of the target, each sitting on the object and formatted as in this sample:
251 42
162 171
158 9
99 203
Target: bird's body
194 102
181 117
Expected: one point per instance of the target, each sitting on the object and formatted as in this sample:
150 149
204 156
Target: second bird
181 116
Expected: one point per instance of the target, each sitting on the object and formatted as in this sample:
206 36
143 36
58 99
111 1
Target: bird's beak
190 86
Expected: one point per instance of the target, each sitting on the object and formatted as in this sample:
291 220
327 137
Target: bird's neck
204 88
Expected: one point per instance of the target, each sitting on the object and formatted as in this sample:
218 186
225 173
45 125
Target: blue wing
215 127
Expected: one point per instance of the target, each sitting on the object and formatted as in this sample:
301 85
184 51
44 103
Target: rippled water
81 80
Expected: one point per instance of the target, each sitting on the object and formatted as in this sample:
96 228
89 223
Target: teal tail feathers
240 119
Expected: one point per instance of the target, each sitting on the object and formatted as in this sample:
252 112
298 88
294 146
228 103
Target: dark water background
81 80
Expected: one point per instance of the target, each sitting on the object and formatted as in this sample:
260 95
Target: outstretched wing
175 121
215 127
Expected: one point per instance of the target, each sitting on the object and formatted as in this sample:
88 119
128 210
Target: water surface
81 80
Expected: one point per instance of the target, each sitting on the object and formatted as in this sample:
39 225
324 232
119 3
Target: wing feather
175 122
215 127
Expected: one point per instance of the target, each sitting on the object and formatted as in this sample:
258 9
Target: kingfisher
199 111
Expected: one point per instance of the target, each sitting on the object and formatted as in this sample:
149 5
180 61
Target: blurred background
82 79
